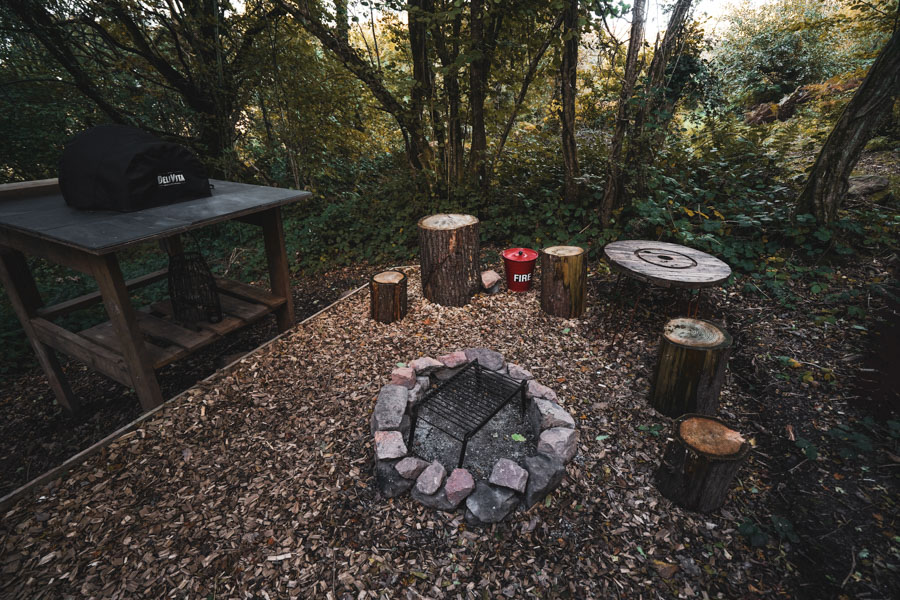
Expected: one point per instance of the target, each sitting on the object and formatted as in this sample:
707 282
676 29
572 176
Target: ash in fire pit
508 431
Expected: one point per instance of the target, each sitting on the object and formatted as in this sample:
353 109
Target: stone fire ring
510 484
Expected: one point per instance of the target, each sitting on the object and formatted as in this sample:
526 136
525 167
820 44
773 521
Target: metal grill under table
465 403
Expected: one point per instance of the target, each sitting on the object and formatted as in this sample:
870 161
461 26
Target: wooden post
122 315
26 300
387 296
279 274
449 248
700 462
563 277
691 369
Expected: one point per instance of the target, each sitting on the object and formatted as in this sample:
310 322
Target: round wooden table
665 265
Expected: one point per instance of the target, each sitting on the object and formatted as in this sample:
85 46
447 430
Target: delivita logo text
170 179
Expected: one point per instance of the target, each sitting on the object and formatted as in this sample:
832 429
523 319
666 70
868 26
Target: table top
665 264
46 216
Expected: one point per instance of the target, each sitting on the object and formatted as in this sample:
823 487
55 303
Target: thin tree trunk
526 83
568 80
828 180
453 151
641 145
614 192
477 94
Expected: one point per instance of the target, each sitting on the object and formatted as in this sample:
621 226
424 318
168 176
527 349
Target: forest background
551 121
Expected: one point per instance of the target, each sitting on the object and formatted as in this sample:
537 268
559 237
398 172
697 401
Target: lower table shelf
164 339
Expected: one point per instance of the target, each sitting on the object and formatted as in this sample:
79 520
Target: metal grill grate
465 403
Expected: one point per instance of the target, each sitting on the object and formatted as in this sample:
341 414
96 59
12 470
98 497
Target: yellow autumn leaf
689 212
808 377
793 363
718 214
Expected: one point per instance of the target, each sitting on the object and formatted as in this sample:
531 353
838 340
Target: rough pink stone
459 485
430 480
509 474
411 467
559 442
404 376
425 365
545 414
389 444
517 372
454 359
536 390
489 279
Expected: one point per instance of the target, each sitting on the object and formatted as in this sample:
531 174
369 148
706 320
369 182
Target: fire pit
469 432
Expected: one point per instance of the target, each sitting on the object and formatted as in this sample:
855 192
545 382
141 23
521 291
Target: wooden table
665 265
35 220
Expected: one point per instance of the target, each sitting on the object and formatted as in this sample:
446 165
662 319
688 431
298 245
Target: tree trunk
700 463
387 296
612 197
449 250
569 80
563 277
477 95
691 369
641 144
484 33
828 180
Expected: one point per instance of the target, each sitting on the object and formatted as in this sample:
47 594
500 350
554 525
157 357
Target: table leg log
563 278
387 296
691 368
121 314
25 300
449 250
700 463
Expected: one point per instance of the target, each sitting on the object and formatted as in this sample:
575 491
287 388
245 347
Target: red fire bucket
519 264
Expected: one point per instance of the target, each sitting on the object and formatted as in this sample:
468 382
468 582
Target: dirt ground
259 483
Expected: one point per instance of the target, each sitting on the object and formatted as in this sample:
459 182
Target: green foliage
755 535
768 51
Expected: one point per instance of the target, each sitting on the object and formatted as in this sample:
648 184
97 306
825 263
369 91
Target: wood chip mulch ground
259 482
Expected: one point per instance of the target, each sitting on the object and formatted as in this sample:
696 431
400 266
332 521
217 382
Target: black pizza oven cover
117 167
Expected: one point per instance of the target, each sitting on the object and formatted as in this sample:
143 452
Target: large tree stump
563 277
700 463
449 248
691 369
387 296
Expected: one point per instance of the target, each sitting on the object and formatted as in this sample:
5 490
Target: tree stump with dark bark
700 463
449 249
691 369
563 278
387 296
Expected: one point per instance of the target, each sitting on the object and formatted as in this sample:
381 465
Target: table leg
279 275
118 306
25 300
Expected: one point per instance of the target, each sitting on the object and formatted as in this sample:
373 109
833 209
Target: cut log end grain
564 250
389 277
711 437
694 333
447 221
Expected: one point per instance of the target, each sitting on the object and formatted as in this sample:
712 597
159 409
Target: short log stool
387 294
563 277
700 463
691 369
